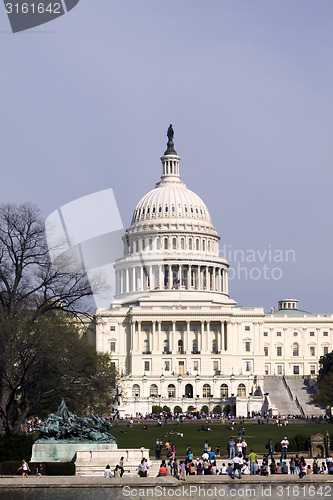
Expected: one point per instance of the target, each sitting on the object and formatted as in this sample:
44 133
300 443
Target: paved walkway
136 482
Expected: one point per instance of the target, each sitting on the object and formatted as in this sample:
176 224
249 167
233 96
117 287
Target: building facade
172 328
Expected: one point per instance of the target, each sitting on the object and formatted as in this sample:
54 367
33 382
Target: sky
87 99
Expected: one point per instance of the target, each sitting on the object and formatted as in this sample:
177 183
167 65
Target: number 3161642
33 8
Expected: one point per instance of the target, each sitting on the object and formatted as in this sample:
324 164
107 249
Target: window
279 351
171 391
112 347
206 393
182 243
180 328
215 365
224 391
112 328
190 244
266 351
195 366
311 334
312 369
278 334
136 390
325 334
247 328
174 243
247 366
325 350
197 244
166 345
266 370
295 334
181 367
295 349
166 243
113 365
279 369
147 366
214 346
312 350
153 391
296 370
241 390
180 346
146 346
195 346
247 346
265 334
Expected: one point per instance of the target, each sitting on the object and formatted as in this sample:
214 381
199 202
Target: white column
228 337
132 336
201 342
208 336
226 282
188 346
127 280
153 346
139 337
174 347
222 341
160 270
159 326
141 277
133 279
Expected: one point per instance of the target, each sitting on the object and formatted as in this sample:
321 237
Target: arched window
158 244
224 391
136 390
206 392
143 245
197 243
208 245
146 346
166 345
153 391
166 243
174 243
171 391
203 245
180 346
190 244
195 346
150 244
182 243
295 349
241 390
214 345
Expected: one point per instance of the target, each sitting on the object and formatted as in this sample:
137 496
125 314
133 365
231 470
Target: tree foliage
43 356
324 396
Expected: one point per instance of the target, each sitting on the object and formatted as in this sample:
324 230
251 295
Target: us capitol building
176 334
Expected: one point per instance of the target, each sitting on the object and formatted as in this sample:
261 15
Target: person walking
284 448
270 450
25 469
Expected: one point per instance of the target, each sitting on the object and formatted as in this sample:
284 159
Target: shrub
16 446
217 409
166 408
177 409
190 408
205 409
157 409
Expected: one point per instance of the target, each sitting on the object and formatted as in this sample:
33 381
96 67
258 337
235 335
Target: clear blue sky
86 101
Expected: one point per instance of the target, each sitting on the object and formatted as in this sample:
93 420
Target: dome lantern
170 160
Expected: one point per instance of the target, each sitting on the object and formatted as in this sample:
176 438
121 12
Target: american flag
176 284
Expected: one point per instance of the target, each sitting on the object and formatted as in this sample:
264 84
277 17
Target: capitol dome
171 200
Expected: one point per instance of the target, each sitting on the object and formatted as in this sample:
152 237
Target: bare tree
30 290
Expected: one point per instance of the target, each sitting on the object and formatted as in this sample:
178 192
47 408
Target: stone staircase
279 395
302 389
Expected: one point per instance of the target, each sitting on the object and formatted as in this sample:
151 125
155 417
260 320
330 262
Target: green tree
324 396
43 356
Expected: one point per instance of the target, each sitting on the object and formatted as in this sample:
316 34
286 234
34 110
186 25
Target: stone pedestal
66 451
93 462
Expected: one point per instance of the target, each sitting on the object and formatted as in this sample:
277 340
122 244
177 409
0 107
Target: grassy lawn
256 435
